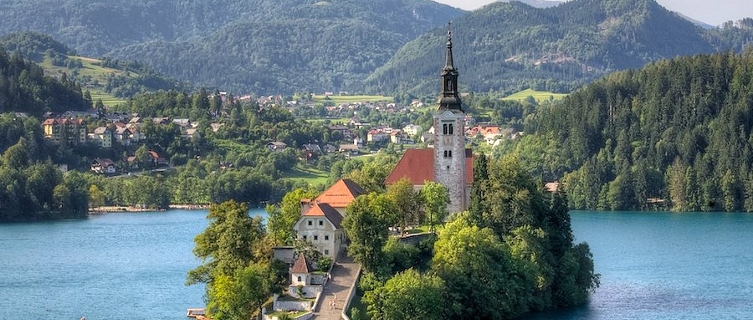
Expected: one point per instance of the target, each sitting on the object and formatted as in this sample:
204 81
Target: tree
478 188
17 155
230 242
283 218
366 223
435 199
238 297
479 273
406 201
96 196
407 295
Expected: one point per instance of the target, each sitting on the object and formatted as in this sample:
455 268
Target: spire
449 64
450 99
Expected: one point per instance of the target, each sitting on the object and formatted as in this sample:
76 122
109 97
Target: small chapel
448 162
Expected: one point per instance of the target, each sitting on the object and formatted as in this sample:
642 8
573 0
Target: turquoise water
133 265
113 266
667 265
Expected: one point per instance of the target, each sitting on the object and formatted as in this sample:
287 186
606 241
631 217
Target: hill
676 134
110 80
25 88
513 46
240 45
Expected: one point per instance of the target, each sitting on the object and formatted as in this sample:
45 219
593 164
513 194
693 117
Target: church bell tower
449 136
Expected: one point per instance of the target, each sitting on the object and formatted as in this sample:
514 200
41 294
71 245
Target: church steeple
450 98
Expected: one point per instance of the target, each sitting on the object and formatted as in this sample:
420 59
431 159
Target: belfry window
444 128
450 128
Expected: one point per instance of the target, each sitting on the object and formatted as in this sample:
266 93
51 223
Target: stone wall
309 292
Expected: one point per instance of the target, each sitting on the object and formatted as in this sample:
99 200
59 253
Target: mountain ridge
552 49
290 46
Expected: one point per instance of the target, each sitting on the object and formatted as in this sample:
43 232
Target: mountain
241 45
537 3
512 46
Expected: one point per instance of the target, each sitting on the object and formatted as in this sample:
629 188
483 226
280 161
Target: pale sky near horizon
713 12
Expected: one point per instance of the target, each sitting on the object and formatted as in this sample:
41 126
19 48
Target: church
448 162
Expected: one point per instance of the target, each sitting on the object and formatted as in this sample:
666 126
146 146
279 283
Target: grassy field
233 145
93 71
345 99
537 95
331 120
309 175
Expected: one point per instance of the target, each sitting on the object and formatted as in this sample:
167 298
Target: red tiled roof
327 211
49 122
301 265
418 166
340 194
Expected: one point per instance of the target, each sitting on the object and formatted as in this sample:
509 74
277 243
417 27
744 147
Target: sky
713 12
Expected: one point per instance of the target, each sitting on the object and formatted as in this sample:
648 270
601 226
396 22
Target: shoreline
116 209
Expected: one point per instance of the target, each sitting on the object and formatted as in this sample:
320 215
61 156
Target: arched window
450 128
444 128
449 154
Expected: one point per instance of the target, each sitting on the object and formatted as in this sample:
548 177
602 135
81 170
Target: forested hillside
238 45
116 78
25 88
513 46
676 134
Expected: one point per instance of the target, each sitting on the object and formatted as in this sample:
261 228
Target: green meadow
539 96
94 74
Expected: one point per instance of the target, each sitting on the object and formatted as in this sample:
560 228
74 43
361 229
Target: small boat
196 312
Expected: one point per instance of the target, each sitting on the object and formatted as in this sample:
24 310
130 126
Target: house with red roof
321 218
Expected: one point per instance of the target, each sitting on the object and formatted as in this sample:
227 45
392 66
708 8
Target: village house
103 166
377 136
102 136
321 218
74 130
349 149
123 136
412 129
276 146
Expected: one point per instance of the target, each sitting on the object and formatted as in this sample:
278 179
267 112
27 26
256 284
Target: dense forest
25 88
513 46
262 46
676 134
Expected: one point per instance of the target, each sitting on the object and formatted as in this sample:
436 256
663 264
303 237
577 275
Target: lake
667 265
112 266
133 265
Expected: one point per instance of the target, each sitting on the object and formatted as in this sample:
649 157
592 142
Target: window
310 223
450 128
304 237
326 251
299 278
326 238
448 153
444 128
316 238
321 222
